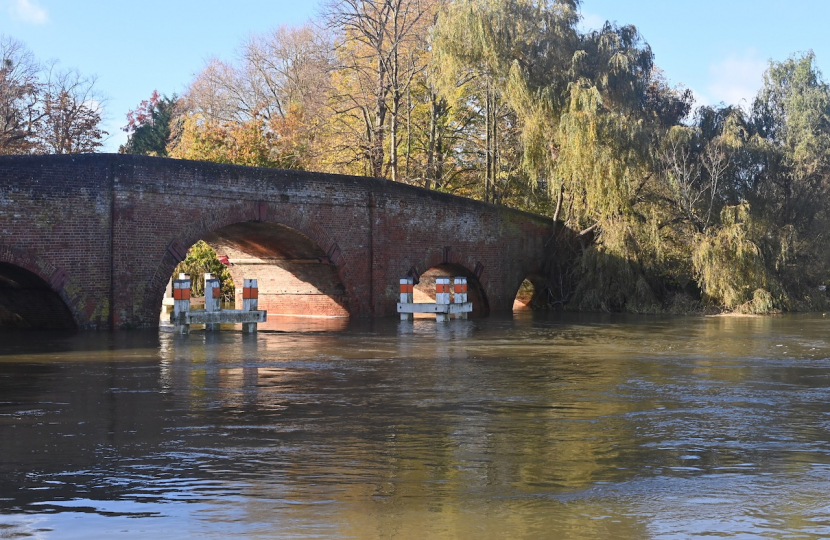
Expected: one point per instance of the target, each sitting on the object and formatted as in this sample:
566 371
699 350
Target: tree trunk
407 170
433 130
396 95
487 143
495 175
377 152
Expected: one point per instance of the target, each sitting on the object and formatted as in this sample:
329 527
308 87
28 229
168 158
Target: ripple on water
553 427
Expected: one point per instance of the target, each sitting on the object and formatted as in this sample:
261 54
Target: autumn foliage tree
71 113
267 109
380 48
658 207
149 126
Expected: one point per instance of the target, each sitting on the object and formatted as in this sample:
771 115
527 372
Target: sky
717 48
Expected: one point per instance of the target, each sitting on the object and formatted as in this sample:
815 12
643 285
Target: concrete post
181 301
250 296
213 296
442 296
460 295
407 296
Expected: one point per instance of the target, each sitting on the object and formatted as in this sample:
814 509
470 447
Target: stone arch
448 261
537 282
32 293
256 216
425 290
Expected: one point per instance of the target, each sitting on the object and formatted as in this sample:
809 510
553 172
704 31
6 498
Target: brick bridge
91 241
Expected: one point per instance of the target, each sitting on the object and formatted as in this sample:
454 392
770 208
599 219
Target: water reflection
533 427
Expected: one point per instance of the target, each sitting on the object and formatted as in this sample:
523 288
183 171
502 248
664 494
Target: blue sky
719 49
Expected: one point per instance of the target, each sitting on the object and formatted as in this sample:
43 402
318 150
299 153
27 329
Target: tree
267 109
148 126
19 94
516 56
786 175
792 116
223 142
202 259
379 52
510 102
731 266
288 68
750 190
71 113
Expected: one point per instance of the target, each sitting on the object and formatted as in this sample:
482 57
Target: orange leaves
280 143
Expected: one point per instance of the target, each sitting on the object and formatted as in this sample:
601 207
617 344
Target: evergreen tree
149 126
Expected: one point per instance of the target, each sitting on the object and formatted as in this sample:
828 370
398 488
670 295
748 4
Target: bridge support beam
443 308
181 302
213 297
460 295
442 297
250 300
407 294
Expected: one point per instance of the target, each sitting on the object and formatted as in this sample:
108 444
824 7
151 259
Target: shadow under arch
425 289
530 293
295 276
28 301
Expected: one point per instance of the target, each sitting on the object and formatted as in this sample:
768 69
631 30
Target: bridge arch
295 276
450 261
425 289
300 268
113 227
528 292
32 294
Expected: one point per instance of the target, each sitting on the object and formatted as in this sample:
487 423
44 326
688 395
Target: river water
534 426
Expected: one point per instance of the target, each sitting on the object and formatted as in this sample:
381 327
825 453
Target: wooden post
181 301
213 296
442 296
407 288
460 296
250 296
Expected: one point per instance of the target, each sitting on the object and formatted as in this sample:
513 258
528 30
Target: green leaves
149 126
201 259
729 265
793 108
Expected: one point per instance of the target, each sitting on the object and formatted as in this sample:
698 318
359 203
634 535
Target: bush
201 259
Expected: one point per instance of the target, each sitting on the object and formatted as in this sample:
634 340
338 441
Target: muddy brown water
529 426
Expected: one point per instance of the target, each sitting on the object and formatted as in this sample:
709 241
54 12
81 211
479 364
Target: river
532 426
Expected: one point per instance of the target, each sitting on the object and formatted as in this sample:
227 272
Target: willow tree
752 187
505 50
792 115
790 136
589 108
730 265
578 99
590 130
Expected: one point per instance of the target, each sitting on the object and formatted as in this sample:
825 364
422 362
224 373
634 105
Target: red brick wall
55 217
293 273
107 231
